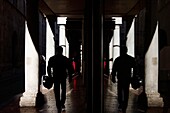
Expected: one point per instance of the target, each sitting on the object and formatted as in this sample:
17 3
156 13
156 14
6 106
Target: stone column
52 19
151 73
32 85
31 73
116 42
151 54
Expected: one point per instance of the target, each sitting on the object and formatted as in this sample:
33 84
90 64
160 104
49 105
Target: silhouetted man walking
60 66
122 68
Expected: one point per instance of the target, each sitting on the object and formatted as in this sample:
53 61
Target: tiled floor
75 101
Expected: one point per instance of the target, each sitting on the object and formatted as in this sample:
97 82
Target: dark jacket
122 68
59 67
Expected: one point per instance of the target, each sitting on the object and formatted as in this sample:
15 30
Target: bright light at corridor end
118 20
61 20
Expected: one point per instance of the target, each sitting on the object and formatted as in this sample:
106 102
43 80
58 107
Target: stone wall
12 48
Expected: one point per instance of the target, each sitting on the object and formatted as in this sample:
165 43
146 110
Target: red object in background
74 78
74 65
104 65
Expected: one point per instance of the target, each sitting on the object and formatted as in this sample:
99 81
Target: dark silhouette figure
122 68
59 67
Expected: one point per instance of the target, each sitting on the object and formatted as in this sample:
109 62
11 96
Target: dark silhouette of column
93 26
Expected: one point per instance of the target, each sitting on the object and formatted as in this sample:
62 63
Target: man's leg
125 98
120 96
57 96
63 94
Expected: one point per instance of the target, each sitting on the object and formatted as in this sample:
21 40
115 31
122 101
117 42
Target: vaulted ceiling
75 8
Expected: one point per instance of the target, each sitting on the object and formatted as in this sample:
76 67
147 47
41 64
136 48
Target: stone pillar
94 29
151 73
151 54
116 42
74 35
62 39
31 76
32 85
130 40
52 19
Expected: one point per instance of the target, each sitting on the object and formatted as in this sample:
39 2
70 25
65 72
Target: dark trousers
60 99
123 95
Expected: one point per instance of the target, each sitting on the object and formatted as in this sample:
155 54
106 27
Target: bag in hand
47 81
136 82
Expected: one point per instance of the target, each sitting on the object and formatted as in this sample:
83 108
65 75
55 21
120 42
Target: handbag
136 82
47 81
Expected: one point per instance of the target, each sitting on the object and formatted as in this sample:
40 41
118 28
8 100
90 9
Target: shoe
63 108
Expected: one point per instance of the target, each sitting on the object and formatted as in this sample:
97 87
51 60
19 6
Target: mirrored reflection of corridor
76 103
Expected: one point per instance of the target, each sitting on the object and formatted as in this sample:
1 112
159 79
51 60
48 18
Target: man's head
59 50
